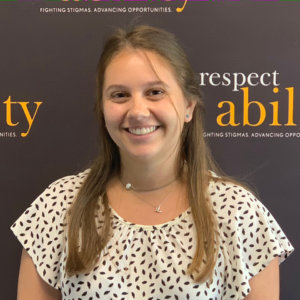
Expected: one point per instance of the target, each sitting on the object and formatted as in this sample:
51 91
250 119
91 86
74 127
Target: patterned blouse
150 262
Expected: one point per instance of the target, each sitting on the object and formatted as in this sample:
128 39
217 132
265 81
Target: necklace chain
129 187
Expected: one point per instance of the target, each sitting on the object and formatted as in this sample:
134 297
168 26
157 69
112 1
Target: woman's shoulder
54 200
70 181
59 194
238 209
230 196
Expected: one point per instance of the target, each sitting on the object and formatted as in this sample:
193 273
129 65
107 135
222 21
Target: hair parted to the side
194 157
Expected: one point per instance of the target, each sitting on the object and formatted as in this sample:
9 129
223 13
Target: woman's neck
146 175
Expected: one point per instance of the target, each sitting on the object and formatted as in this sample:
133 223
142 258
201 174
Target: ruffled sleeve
250 237
40 229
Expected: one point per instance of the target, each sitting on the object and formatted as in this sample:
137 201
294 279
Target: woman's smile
142 130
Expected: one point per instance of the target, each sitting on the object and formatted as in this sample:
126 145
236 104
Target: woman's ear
189 109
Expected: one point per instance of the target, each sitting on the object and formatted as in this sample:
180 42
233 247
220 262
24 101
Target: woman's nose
138 108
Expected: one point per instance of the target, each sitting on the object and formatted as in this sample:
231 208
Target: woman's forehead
142 63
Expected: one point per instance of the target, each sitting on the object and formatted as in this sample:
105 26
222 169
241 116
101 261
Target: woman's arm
265 285
31 285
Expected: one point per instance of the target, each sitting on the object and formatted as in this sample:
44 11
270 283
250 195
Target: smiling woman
152 218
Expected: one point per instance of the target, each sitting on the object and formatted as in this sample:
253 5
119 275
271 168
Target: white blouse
151 262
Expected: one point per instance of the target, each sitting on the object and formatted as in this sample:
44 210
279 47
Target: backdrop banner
247 56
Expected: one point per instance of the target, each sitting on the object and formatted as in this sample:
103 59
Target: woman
151 219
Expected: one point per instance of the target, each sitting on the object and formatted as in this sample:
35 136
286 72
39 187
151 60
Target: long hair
193 156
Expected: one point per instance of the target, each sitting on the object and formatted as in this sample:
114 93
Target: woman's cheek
111 114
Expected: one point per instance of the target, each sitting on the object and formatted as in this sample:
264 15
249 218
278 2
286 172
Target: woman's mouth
142 130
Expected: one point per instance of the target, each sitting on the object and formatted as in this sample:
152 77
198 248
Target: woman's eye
119 96
156 93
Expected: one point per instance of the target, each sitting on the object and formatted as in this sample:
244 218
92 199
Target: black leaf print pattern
151 262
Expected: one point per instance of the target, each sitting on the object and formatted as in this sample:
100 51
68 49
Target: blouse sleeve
250 238
40 229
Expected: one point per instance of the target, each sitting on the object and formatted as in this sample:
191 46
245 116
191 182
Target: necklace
129 187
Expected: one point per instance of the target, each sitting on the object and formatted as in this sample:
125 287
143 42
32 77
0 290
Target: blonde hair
194 154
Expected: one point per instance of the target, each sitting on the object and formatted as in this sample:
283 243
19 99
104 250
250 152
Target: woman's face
144 107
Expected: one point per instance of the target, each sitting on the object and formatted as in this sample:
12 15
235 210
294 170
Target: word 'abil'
30 117
260 108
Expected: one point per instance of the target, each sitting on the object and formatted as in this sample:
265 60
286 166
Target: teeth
141 131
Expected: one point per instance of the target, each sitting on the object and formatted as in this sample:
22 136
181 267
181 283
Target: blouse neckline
174 221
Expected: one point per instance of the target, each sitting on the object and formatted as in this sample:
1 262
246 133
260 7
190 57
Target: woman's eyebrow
157 82
115 87
146 85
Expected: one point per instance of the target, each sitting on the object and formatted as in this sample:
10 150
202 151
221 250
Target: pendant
157 209
128 186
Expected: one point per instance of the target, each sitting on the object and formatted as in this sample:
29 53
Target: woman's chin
145 156
141 155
